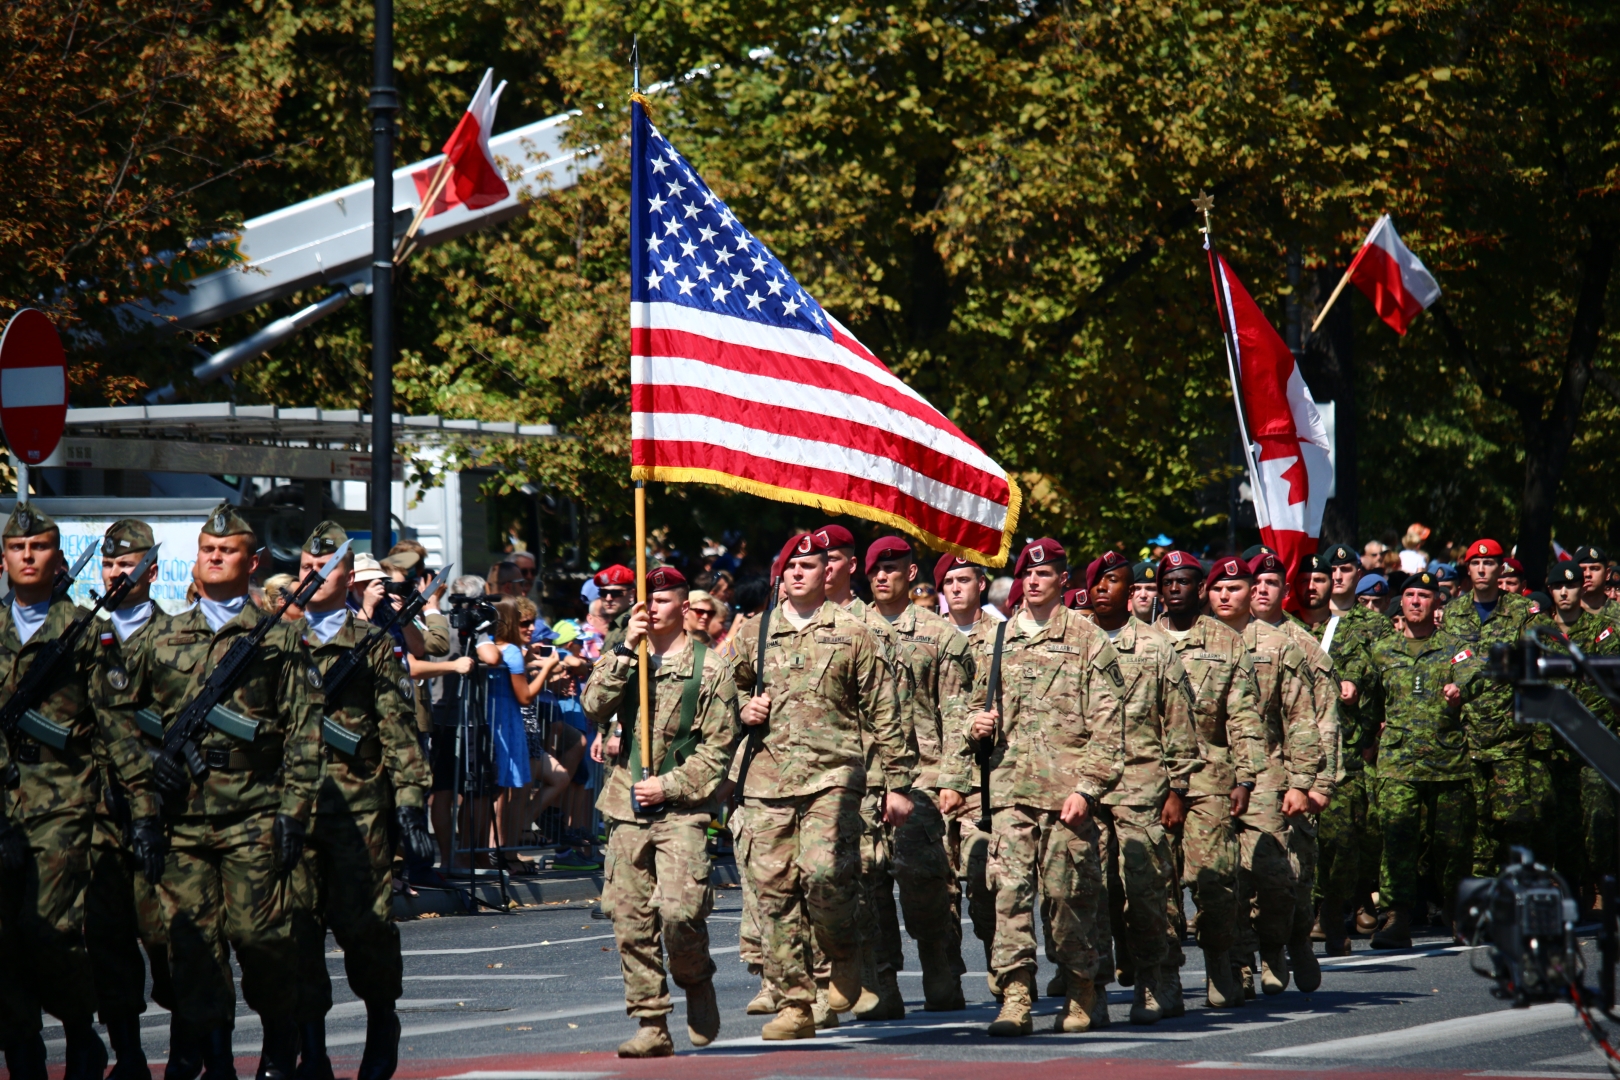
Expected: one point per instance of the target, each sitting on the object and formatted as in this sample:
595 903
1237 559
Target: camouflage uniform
1060 707
1324 691
1424 798
656 875
1231 750
1512 774
1269 873
830 692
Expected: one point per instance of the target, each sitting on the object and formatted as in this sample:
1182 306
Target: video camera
1526 918
471 614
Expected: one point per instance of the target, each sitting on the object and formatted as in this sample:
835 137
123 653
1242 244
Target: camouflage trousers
122 915
879 926
1427 827
750 941
43 960
915 859
1583 825
222 887
655 888
1132 919
1304 852
1597 825
1033 854
345 882
970 850
1514 801
1268 875
1206 859
1342 830
804 856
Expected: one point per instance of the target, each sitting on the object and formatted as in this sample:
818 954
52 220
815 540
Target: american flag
740 378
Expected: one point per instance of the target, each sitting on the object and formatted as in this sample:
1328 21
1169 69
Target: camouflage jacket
616 630
1351 653
957 766
1060 713
1226 711
889 648
931 666
118 689
368 731
1283 678
48 780
691 784
1597 635
831 693
279 769
1324 704
1488 715
1423 736
1157 741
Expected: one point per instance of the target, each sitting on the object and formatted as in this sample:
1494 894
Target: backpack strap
681 747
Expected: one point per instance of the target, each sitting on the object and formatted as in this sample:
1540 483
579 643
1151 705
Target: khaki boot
1076 1016
650 1040
1016 1001
1243 974
887 1004
1168 989
1273 971
990 981
824 1017
844 985
1146 1009
767 1001
702 1014
1220 989
1302 961
1099 1006
1395 931
793 1022
942 982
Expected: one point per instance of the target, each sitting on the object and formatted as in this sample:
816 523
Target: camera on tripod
1526 917
471 614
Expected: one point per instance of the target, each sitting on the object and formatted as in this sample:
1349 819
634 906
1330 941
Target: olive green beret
26 521
126 535
327 538
406 562
226 520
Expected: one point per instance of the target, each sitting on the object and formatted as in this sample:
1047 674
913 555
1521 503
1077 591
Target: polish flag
1394 279
1285 443
475 180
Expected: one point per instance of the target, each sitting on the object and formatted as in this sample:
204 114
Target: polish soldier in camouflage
1424 794
238 829
827 694
1232 755
1268 876
374 781
1054 722
122 912
656 880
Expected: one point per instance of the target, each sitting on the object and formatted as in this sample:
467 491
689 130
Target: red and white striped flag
739 378
475 180
1395 280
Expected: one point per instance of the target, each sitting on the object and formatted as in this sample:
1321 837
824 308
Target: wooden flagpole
441 177
644 718
1320 315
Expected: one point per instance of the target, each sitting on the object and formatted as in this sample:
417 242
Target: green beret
26 521
124 536
1145 571
226 520
1252 553
1340 555
1563 573
327 538
1421 580
1316 564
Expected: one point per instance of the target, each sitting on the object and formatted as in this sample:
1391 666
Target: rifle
756 735
18 713
987 745
180 740
347 664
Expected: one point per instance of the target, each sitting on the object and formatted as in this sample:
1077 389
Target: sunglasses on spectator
704 610
525 622
615 592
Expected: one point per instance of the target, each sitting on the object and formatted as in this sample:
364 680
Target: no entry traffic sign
33 386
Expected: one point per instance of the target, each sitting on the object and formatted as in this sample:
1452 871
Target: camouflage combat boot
1016 1002
650 1040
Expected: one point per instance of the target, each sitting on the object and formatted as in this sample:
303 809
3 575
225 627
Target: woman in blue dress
510 688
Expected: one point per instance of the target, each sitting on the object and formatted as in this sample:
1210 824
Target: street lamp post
384 106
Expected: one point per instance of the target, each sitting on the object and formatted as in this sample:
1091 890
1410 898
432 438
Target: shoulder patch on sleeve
1466 654
1607 633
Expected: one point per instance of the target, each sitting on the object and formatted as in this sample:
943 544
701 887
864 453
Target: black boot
25 1055
218 1057
86 1056
124 1032
313 1062
382 1043
278 1060
185 1051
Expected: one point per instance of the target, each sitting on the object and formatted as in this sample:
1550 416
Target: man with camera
656 887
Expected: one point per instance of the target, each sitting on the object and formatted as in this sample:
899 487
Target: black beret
1339 555
1563 573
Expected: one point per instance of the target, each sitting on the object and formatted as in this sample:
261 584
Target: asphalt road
536 994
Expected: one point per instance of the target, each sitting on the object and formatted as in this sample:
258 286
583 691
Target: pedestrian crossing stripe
1466 654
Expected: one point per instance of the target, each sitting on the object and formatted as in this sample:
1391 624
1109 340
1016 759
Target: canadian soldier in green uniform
238 827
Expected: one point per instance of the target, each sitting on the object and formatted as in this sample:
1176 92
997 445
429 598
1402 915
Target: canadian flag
475 180
1285 443
1395 280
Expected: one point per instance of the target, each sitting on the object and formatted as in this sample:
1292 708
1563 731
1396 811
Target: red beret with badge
1077 599
1108 560
1230 568
1040 552
947 563
799 544
1267 563
1179 560
1485 548
890 547
664 577
829 537
617 574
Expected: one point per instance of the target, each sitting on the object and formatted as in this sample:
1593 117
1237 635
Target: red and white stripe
793 414
475 180
1395 280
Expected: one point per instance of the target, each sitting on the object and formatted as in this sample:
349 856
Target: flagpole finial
1203 205
635 63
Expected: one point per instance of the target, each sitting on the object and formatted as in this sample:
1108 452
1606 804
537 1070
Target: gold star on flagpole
1203 205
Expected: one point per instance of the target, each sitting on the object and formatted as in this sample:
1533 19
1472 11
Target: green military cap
126 535
1563 573
1339 555
327 538
1251 553
1422 580
1146 570
1315 564
406 562
226 520
26 521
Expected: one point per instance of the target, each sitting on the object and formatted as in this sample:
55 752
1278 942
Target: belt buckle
217 759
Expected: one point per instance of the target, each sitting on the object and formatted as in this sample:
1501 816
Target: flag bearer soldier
656 881
1268 875
1232 755
931 668
1160 754
1054 728
238 829
826 693
47 810
374 781
122 912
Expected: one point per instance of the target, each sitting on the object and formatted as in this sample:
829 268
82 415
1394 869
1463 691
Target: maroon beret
1513 564
617 574
1179 560
1103 563
1267 563
664 577
947 563
888 547
1015 595
1076 598
1230 567
1038 553
833 536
